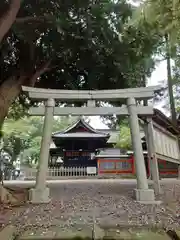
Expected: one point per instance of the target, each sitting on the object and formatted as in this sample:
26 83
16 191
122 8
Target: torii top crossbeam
99 95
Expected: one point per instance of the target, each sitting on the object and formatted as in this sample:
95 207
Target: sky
157 76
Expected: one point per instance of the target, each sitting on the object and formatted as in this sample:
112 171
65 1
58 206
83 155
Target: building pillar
145 128
152 155
40 194
142 193
179 172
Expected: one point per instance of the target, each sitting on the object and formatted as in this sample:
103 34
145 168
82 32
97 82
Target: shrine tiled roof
164 121
74 131
80 134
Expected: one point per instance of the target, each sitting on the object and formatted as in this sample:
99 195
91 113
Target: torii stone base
39 195
144 195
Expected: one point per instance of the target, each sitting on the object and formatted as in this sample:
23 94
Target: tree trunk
9 17
170 84
9 90
145 101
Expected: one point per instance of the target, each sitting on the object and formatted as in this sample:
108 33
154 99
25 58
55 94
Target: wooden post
145 128
152 155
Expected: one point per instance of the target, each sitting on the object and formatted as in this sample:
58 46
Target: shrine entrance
40 194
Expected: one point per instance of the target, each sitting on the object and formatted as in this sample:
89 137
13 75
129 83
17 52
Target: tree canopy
70 45
163 15
23 136
162 19
124 141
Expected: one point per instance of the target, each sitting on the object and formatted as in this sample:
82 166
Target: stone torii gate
40 194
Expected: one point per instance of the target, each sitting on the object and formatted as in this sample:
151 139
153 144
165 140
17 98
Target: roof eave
167 121
80 120
61 137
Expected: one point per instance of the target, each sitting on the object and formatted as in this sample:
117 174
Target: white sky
157 77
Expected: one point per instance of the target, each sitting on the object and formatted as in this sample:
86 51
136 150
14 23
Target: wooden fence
57 173
106 167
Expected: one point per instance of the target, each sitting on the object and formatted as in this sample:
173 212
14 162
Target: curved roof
91 132
79 134
164 121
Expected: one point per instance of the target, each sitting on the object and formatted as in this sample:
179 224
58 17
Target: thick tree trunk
9 90
170 84
9 17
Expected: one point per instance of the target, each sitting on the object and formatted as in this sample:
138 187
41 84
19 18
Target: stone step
57 233
83 232
129 234
8 233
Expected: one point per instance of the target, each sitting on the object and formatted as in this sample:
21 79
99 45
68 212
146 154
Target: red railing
116 169
163 166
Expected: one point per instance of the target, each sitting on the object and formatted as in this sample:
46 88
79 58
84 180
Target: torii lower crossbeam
92 111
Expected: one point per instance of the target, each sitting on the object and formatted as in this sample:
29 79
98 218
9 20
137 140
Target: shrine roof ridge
79 134
66 133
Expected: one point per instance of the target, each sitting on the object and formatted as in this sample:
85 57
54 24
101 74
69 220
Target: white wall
166 144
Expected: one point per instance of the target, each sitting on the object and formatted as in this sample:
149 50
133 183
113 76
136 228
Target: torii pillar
142 194
40 194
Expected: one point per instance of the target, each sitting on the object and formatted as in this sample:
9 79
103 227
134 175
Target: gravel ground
76 204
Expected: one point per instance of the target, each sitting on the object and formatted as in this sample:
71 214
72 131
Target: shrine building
80 145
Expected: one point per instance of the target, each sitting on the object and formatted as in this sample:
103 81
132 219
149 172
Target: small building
77 145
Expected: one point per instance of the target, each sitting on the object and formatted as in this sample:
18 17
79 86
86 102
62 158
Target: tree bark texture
9 90
170 84
9 17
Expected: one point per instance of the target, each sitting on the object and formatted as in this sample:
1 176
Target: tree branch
44 68
9 17
29 19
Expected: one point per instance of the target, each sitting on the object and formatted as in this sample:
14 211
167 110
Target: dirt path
78 204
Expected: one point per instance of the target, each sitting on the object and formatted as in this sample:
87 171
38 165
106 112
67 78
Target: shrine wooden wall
166 145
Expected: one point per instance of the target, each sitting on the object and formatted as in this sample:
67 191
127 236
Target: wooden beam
91 111
160 128
83 95
168 159
165 131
